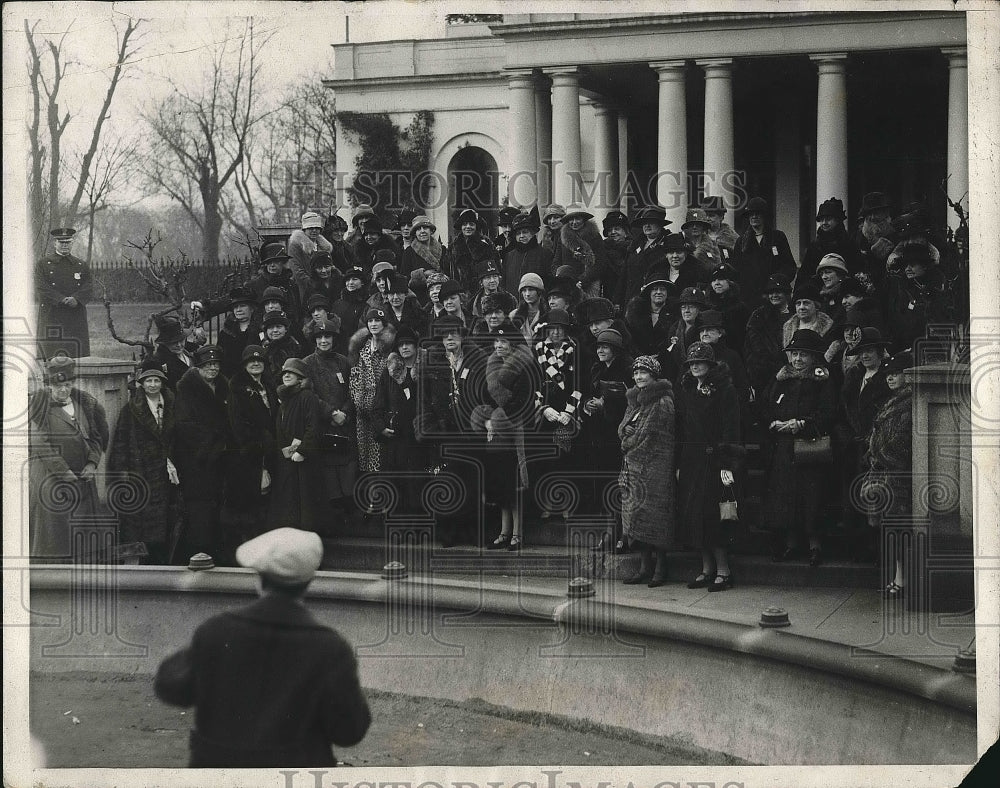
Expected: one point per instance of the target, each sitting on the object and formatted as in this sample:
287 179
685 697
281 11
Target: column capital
563 75
668 69
604 107
716 66
957 56
520 78
830 62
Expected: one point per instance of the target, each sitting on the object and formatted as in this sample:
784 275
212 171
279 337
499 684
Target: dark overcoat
172 365
755 262
464 257
521 259
860 405
649 338
912 305
297 490
708 440
350 308
599 430
735 314
232 342
835 242
763 348
58 277
271 687
330 375
890 452
59 443
647 477
202 437
639 260
141 447
251 421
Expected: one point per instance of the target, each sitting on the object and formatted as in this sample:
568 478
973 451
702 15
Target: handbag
727 507
813 451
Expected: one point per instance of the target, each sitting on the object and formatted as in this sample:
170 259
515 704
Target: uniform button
709 450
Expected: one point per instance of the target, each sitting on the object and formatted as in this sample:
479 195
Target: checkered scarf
553 359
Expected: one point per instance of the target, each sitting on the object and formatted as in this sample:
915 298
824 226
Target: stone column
671 135
605 160
831 128
718 125
958 129
565 132
521 186
623 156
543 139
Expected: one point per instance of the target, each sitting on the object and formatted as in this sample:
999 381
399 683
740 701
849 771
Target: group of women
633 359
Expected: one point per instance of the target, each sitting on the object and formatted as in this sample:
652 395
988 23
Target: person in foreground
271 685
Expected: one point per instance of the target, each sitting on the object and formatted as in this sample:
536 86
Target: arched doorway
473 182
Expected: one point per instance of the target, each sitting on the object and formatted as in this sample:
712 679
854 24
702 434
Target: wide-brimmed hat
614 219
700 352
422 221
900 361
832 208
871 202
693 295
338 223
406 334
834 261
555 209
524 221
696 216
445 324
150 371
274 294
206 354
317 300
373 226
853 286
805 290
915 252
564 286
910 225
712 205
648 363
62 233
241 295
363 212
287 556
651 214
531 280
612 337
590 310
870 337
777 284
676 242
577 211
757 205
448 289
276 318
170 330
711 318
657 275
311 219
252 353
807 339
273 253
557 317
60 369
296 365
328 325
436 278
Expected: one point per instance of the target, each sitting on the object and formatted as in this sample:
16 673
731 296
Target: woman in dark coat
279 346
709 461
350 308
763 348
253 408
143 445
916 295
761 252
372 241
800 403
297 488
202 438
394 419
647 478
512 377
330 375
831 238
890 459
67 436
582 248
647 250
467 251
610 376
650 317
524 257
240 328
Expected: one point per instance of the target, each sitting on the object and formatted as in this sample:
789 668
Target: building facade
616 111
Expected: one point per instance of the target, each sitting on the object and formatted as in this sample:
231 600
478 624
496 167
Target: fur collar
192 384
430 252
588 237
286 392
816 372
654 391
823 324
386 341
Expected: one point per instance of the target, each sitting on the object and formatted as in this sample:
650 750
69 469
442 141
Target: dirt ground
97 720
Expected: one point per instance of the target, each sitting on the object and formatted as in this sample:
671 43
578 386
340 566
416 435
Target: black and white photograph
507 394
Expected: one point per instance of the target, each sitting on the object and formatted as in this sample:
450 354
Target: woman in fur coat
367 353
424 255
806 301
394 419
525 256
253 408
142 445
468 251
350 308
709 461
330 373
800 403
890 459
511 380
297 494
582 248
647 477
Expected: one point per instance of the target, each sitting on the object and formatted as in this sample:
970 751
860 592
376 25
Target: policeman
63 287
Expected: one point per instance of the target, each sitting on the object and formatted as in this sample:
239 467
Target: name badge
725 253
911 305
465 373
406 393
774 250
340 377
77 276
780 397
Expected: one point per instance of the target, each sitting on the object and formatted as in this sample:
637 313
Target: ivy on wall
390 168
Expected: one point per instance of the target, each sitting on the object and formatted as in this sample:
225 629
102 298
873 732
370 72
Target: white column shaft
523 160
543 140
958 130
606 159
565 134
719 160
671 136
831 128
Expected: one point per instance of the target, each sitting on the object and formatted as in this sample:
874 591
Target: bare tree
46 150
114 161
201 135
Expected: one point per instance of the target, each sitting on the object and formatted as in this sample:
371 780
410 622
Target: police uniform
62 329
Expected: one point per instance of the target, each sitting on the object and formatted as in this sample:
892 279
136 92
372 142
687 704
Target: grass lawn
130 323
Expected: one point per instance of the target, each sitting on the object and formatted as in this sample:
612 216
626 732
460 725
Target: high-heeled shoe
659 577
703 580
893 590
515 544
722 583
502 542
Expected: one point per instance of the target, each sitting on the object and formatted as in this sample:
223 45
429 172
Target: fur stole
385 342
822 326
301 246
193 385
431 252
396 367
286 392
788 372
657 389
502 374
